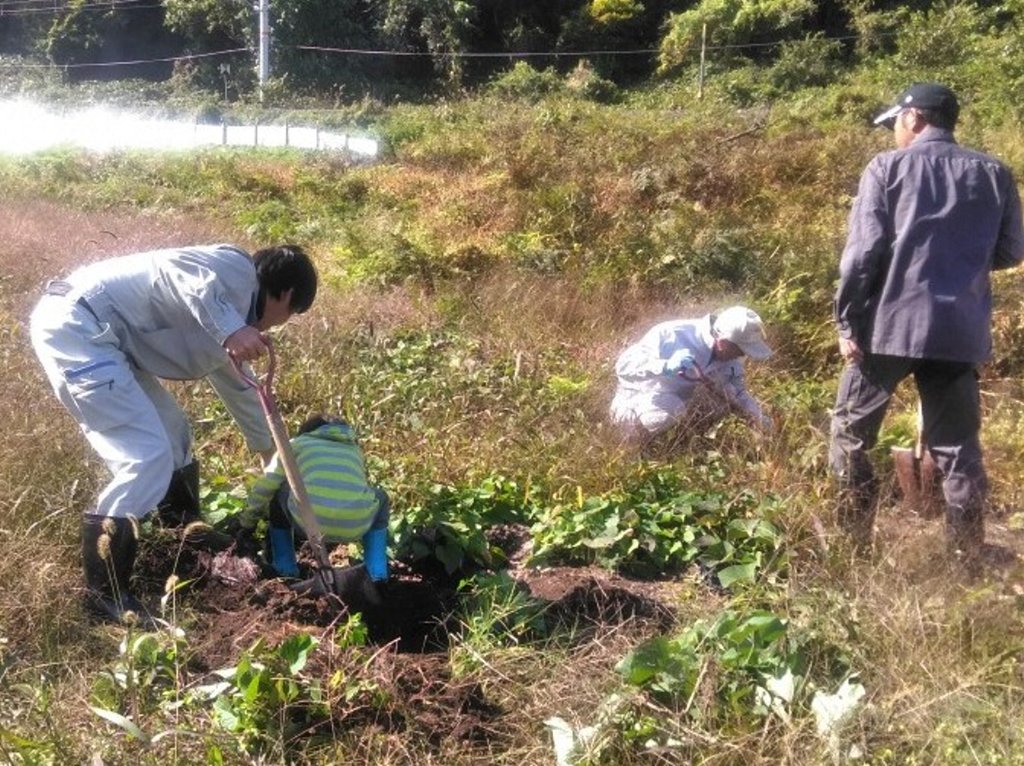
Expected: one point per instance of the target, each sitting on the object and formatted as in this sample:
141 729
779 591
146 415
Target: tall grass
478 284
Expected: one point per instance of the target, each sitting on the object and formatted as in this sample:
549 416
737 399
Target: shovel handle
251 378
286 454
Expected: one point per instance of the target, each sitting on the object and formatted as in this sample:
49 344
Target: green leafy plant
148 676
495 612
525 82
265 698
660 528
448 525
715 669
221 498
32 732
728 22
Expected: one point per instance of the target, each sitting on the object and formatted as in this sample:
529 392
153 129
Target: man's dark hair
940 118
283 268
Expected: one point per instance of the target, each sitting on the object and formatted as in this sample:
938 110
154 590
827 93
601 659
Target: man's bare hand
246 345
850 350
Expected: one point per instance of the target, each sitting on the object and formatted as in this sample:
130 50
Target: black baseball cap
922 95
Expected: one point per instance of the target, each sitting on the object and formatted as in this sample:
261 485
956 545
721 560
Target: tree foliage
340 46
442 27
613 11
207 24
729 22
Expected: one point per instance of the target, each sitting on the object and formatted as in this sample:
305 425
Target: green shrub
586 82
728 22
495 612
266 700
812 61
524 82
448 524
730 673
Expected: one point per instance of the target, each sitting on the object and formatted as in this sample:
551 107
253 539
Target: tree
84 33
442 27
209 25
729 22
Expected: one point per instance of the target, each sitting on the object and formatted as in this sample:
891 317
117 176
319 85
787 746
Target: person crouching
685 365
346 506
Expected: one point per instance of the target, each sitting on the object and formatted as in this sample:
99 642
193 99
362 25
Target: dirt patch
437 705
402 684
232 607
232 602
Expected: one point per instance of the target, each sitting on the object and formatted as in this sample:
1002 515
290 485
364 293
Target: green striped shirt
331 463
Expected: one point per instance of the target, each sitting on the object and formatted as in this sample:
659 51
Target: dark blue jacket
929 224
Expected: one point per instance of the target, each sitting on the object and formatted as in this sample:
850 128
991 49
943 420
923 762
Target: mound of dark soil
404 683
597 603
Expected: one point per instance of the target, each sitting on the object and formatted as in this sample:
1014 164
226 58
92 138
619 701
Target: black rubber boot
856 514
180 505
108 557
965 535
180 508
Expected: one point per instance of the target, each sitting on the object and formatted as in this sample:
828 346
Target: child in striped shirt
346 506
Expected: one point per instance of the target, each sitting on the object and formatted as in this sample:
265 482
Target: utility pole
264 60
703 51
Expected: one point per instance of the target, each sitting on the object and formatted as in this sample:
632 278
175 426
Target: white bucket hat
743 327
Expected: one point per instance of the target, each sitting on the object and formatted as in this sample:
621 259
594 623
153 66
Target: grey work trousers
132 422
951 407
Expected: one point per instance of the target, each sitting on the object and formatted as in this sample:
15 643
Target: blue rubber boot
375 554
282 551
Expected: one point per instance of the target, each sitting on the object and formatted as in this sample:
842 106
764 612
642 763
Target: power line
5 4
183 57
543 54
421 54
471 54
55 6
98 5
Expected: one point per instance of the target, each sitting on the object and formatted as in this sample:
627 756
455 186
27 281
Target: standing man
106 333
660 375
930 222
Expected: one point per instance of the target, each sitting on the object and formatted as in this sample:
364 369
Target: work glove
246 545
680 362
244 536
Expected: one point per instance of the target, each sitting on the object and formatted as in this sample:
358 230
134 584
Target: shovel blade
919 481
352 585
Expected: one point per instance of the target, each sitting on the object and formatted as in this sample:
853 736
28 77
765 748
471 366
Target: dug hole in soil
230 605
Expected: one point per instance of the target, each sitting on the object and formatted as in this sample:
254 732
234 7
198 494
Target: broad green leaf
225 714
731 575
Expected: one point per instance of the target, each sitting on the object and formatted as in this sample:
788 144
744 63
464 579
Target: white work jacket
654 397
171 311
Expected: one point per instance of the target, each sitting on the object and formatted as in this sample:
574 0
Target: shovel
919 479
326 580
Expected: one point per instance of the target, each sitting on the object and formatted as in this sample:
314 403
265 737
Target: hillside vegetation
479 280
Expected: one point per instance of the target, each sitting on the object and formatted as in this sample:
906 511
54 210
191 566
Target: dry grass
937 654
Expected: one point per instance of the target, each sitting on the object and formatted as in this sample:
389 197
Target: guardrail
28 127
282 136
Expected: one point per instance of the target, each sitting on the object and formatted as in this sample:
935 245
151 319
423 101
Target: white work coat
653 397
107 332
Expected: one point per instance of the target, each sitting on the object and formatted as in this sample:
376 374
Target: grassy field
478 283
